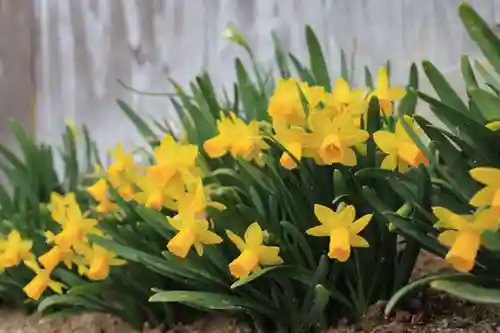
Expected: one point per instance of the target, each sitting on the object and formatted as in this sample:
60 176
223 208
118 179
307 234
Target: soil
432 312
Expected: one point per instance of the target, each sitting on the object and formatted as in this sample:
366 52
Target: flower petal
386 141
358 241
209 237
324 214
319 231
269 255
254 235
361 223
390 162
237 240
448 237
349 157
483 197
487 176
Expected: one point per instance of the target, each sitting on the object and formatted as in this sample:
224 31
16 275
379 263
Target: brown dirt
432 313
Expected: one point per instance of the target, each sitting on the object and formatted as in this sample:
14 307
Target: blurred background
61 59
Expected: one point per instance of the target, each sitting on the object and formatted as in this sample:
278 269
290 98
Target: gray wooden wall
77 49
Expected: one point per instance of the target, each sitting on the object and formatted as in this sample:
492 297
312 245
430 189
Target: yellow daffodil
292 139
342 228
463 235
58 205
237 138
56 255
174 158
122 161
344 100
401 149
386 95
35 288
192 230
14 249
285 105
74 225
490 194
99 191
332 139
254 253
99 261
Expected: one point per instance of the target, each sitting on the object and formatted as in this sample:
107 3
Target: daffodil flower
35 288
99 261
344 100
14 249
192 231
99 191
342 228
490 194
386 95
74 225
463 235
401 150
292 139
285 105
254 253
332 139
237 138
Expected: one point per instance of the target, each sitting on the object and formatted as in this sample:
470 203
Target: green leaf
373 125
480 32
471 131
344 66
262 272
443 88
303 72
468 291
489 78
67 300
281 59
317 61
139 123
206 300
414 287
301 240
468 72
368 78
487 103
491 239
408 104
248 93
320 301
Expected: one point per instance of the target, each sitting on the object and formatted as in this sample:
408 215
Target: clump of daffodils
462 233
69 246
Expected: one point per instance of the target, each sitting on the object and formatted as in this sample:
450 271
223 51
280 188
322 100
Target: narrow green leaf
414 287
344 66
468 72
491 239
368 78
280 57
468 291
321 298
487 103
491 81
206 300
138 122
443 88
303 72
481 33
317 61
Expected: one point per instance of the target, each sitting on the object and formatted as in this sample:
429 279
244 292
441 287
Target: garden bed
433 312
